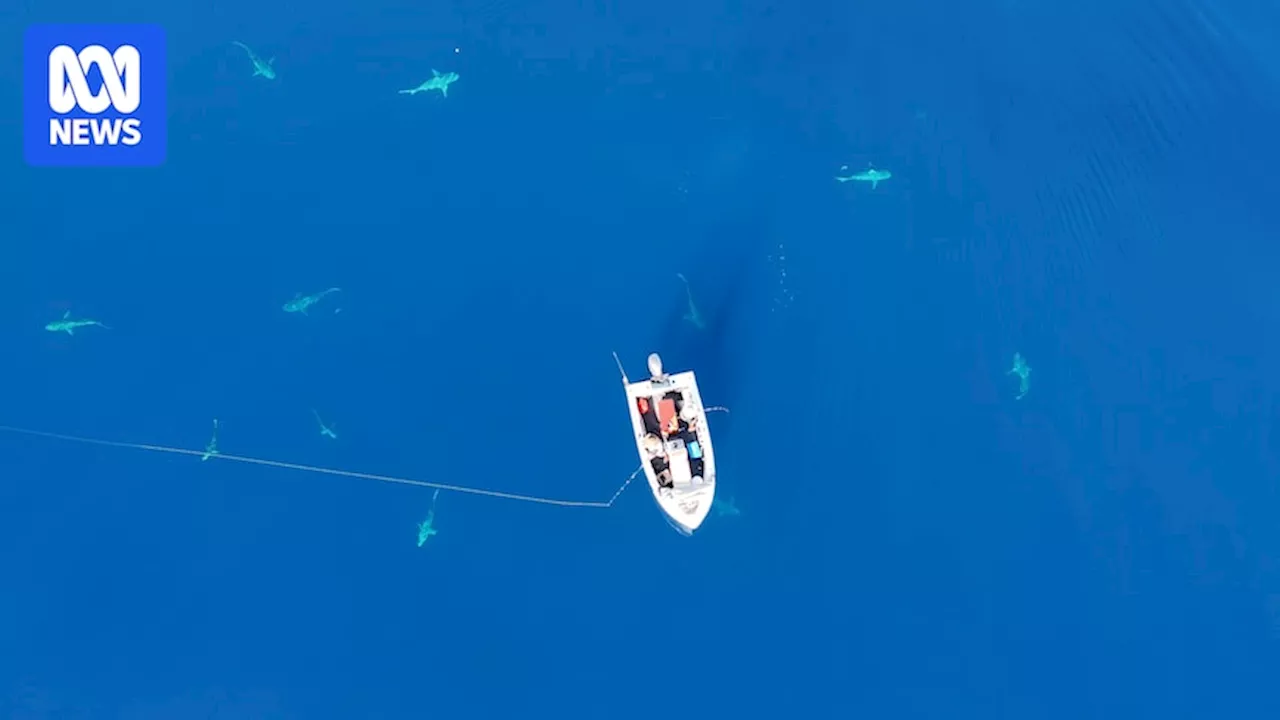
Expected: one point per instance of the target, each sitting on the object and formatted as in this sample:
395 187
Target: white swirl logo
121 79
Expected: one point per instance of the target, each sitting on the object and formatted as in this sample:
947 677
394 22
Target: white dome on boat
688 412
655 365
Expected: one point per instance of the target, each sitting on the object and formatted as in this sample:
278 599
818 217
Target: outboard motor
655 366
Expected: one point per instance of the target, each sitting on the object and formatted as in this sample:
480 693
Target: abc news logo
94 95
69 90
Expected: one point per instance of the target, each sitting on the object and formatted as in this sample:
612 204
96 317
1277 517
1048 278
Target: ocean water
1087 184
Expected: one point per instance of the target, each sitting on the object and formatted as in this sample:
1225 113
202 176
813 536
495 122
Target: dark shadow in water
726 270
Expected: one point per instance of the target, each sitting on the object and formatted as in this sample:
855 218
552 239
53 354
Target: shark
425 530
300 302
212 448
264 69
438 81
725 508
693 316
68 325
1023 371
870 175
325 430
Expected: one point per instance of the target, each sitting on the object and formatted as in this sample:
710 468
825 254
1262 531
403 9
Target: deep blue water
1088 184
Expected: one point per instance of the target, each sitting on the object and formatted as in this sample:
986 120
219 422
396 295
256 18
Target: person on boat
648 415
688 420
658 460
669 413
653 444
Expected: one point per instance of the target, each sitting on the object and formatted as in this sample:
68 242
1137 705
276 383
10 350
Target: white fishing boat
674 442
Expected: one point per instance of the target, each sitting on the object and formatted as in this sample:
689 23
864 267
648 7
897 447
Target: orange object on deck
667 414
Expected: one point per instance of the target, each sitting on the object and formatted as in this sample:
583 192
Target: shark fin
444 90
874 183
70 331
66 315
435 72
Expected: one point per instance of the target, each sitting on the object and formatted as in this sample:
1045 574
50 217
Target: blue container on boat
695 450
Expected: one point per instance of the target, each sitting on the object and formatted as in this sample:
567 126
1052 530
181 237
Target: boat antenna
625 381
320 470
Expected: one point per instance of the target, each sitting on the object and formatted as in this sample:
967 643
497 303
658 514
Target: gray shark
437 82
212 448
325 430
693 316
725 507
1023 371
425 529
68 325
870 175
300 302
264 69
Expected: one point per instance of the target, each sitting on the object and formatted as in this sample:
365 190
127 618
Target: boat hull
674 443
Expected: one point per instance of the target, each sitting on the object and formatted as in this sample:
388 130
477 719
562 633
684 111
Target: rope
322 470
624 486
